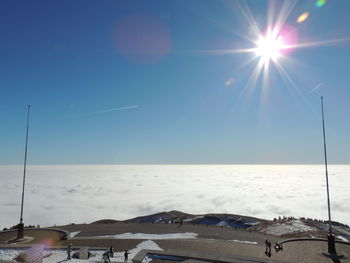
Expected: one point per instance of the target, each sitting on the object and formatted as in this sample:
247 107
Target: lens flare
272 47
142 38
320 3
36 253
47 242
229 82
302 18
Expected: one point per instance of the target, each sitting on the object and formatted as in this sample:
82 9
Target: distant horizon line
76 164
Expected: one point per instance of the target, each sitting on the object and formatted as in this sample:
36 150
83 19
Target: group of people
106 255
110 253
278 247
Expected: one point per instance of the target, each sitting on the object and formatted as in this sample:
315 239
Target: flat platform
212 244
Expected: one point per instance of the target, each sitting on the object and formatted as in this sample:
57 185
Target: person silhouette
126 253
267 248
111 253
105 257
69 250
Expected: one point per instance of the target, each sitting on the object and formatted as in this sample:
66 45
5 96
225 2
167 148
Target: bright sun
269 47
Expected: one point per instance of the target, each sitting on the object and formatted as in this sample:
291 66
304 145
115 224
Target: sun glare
272 45
269 47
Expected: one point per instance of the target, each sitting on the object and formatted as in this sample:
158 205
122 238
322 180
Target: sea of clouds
66 194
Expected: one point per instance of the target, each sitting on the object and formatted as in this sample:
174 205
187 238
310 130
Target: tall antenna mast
331 241
326 166
20 225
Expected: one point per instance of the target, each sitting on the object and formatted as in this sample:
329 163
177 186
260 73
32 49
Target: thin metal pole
325 159
25 165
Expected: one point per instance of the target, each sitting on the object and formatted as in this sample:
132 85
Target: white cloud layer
66 194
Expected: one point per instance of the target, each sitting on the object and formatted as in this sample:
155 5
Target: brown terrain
212 239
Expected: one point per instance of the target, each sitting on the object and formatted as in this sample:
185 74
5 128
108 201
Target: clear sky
173 81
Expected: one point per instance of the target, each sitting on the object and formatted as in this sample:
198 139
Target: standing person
105 257
111 253
268 248
126 253
69 250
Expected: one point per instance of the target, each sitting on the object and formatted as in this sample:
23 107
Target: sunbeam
321 43
274 45
291 83
271 46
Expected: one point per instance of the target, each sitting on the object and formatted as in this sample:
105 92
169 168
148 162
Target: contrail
109 110
315 88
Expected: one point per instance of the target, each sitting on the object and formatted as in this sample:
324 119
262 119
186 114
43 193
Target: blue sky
72 60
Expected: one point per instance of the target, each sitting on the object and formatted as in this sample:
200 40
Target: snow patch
222 223
146 259
244 242
73 234
288 227
60 255
342 238
148 244
9 254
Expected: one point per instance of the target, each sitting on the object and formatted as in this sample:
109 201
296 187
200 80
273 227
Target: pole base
334 257
331 245
20 231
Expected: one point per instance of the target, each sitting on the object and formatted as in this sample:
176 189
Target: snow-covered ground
342 238
73 234
222 223
287 227
59 255
186 235
244 242
66 194
9 254
344 232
